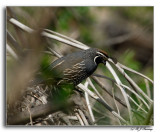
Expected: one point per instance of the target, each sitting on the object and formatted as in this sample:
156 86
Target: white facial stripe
101 54
95 59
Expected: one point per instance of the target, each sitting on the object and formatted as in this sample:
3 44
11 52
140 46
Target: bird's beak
104 62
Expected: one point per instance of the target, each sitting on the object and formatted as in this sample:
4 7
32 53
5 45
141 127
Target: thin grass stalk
65 37
48 35
102 76
149 115
88 103
83 117
91 84
11 52
117 115
105 89
11 40
72 118
135 94
93 95
122 90
136 104
116 104
147 87
131 70
79 118
20 25
54 52
104 114
130 81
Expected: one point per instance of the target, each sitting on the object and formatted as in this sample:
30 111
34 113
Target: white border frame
155 3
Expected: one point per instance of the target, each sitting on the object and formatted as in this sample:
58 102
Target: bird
72 68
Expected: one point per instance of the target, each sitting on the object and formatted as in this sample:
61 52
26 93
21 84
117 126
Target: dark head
101 57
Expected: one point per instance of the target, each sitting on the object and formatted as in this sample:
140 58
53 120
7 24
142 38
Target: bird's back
71 68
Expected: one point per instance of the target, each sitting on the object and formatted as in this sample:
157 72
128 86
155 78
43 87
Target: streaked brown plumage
73 68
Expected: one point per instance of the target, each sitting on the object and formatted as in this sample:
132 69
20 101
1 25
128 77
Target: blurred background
125 33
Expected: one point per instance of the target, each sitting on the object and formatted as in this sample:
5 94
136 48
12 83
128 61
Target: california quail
73 68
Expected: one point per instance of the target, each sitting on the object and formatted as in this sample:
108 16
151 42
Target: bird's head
101 57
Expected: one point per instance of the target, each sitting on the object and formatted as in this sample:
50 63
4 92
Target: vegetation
125 33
